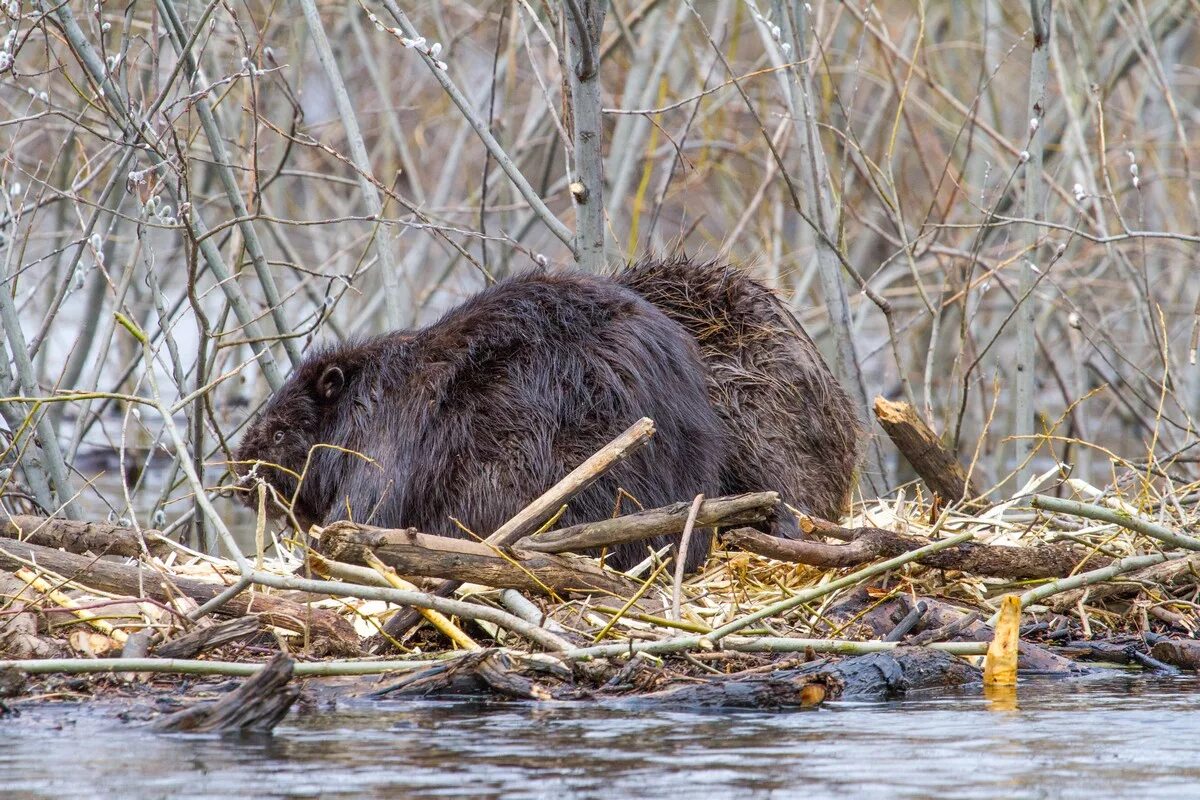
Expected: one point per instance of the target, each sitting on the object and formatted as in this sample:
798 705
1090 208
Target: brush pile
907 587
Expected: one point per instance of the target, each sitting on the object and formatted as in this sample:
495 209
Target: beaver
794 429
468 420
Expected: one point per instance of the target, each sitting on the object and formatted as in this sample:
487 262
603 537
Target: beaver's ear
331 383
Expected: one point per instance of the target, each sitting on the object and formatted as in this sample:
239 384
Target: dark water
1104 737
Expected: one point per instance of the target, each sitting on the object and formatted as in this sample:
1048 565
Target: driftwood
412 553
1183 653
499 673
745 509
256 706
936 465
534 515
330 634
101 538
876 676
1121 650
200 639
890 674
868 544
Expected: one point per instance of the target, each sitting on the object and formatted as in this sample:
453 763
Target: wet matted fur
791 426
471 418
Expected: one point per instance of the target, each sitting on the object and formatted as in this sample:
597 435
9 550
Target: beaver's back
792 427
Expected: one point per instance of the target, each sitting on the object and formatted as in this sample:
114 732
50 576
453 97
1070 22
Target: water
1102 737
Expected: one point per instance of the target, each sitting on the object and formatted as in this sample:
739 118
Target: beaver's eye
278 437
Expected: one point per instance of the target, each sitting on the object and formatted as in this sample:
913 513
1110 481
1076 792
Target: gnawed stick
867 544
681 556
40 584
537 512
924 450
743 509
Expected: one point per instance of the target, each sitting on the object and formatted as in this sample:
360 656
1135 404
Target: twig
681 556
383 239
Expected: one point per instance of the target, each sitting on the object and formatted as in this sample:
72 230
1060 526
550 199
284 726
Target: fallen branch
530 518
745 509
1167 573
874 676
74 536
1155 531
179 666
200 639
412 553
868 544
1095 576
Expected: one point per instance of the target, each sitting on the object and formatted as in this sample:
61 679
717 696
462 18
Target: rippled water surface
1100 737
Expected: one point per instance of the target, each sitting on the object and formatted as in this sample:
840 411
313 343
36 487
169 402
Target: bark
1184 653
329 633
200 639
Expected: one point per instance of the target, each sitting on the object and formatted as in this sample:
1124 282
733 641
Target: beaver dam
906 596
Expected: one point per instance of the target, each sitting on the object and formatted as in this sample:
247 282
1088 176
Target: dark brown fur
474 416
793 429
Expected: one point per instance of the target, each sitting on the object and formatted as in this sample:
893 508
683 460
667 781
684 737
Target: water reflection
1106 737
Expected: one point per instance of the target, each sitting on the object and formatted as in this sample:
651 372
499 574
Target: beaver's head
298 444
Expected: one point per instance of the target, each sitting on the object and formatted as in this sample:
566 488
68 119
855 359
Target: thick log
410 552
256 706
530 518
744 509
867 544
330 634
917 442
74 536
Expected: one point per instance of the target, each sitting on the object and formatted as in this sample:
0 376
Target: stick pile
901 571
